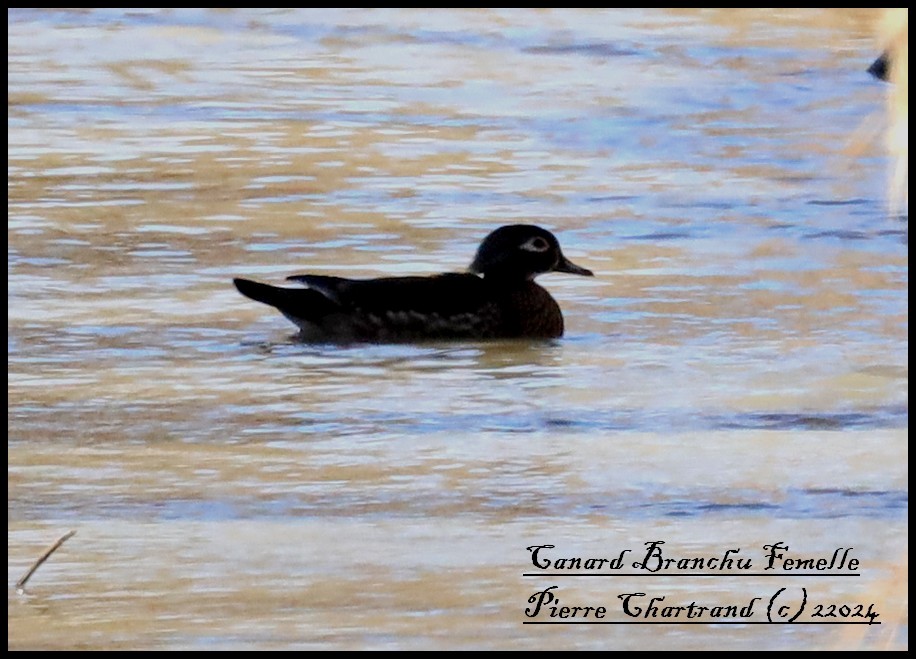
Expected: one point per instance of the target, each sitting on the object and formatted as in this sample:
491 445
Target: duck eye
536 244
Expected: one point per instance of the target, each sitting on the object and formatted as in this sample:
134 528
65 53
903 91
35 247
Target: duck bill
565 265
879 68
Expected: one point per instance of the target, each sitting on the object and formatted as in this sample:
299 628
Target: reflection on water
735 374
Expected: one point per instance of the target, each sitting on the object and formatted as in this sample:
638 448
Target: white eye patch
536 244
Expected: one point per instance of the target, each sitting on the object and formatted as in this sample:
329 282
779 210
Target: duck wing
387 309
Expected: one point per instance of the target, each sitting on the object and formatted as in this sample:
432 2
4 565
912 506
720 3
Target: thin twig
41 559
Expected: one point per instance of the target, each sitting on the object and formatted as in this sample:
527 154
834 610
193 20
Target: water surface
734 375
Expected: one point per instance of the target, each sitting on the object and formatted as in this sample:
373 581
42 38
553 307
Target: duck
880 68
497 298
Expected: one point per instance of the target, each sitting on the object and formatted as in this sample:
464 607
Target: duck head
522 251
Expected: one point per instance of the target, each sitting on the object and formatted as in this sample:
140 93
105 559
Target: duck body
395 309
498 298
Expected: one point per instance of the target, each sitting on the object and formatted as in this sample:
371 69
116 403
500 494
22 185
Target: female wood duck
503 302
